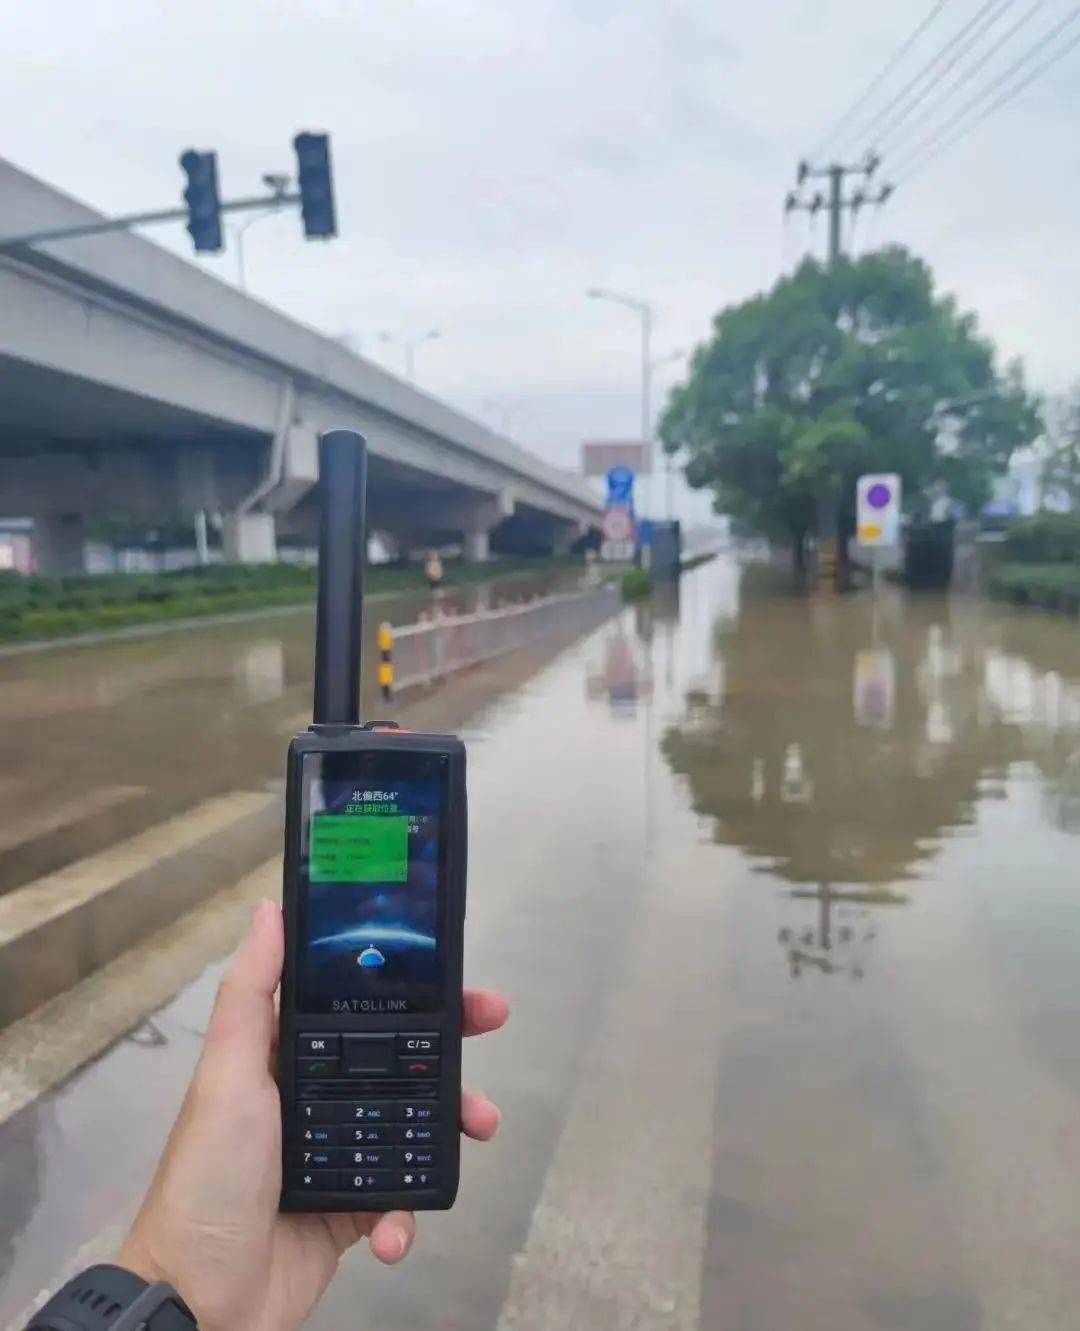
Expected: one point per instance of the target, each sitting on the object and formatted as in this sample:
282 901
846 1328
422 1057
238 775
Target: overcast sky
493 160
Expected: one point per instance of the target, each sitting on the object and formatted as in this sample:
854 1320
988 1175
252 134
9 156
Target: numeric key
419 1134
319 1111
369 1111
367 1134
417 1111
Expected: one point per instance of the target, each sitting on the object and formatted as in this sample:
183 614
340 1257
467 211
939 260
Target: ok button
319 1046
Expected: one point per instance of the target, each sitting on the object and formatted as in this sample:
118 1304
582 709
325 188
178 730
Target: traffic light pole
12 244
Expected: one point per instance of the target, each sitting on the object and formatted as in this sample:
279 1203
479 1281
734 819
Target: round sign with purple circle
878 496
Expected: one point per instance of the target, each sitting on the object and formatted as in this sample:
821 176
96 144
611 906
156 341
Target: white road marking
617 1237
53 817
56 894
46 1046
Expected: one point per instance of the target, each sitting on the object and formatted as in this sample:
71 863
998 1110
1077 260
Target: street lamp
680 353
643 310
279 185
409 345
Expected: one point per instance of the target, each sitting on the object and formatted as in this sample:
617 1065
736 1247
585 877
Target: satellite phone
369 1056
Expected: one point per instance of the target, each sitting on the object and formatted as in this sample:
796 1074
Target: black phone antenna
339 622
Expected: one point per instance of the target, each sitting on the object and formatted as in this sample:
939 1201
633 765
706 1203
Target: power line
883 131
880 78
941 139
927 70
1015 91
969 73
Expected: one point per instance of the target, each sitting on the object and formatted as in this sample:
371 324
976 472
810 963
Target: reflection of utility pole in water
840 949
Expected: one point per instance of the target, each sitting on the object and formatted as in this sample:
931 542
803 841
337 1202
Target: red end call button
418 1066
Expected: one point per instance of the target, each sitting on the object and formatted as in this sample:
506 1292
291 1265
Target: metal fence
433 648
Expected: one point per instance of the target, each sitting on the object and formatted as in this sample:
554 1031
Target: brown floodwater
786 895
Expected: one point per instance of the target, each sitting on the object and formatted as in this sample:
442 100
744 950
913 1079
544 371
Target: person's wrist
136 1258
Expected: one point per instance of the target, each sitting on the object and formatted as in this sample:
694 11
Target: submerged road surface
785 894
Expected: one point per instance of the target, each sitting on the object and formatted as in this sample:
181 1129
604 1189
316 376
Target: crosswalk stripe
46 1046
37 903
617 1238
51 818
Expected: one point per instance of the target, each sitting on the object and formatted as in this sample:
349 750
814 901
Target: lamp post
409 345
643 310
679 354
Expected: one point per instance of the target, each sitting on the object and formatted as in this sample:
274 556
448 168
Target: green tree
836 371
1061 458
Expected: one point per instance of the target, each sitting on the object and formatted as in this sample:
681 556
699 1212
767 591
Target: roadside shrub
636 584
1049 586
1046 538
54 607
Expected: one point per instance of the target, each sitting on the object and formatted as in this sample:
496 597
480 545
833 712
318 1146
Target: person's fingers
480 1117
392 1236
243 1024
485 1010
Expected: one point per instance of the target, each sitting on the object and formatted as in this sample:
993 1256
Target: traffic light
316 188
203 201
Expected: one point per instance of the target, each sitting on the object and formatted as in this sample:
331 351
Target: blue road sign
620 485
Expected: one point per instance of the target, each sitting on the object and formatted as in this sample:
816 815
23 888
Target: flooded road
785 894
105 739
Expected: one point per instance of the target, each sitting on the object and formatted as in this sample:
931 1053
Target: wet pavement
789 915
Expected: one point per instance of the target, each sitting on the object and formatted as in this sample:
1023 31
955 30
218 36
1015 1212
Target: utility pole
836 202
829 569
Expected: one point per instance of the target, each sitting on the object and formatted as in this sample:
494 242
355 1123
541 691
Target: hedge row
1046 538
1049 586
42 607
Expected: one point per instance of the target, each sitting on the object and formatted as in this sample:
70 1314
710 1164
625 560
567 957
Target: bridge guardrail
433 648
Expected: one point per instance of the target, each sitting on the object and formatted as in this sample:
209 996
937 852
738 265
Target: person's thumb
242 1025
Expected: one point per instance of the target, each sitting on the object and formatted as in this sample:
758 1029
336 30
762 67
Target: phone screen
372 862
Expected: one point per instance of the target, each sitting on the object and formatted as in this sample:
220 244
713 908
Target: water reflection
844 743
621 672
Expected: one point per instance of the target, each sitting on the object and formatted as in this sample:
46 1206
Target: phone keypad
377 1144
365 1146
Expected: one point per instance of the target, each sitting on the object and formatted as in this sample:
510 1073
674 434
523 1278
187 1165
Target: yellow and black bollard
386 660
828 566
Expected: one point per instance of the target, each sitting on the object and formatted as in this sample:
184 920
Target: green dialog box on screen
359 848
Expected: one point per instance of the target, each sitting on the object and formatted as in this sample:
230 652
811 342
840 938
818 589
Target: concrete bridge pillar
563 536
478 521
249 538
476 546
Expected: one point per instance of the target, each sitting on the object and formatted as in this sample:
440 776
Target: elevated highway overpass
134 384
